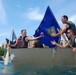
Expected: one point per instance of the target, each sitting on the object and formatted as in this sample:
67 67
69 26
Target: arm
74 48
35 38
62 31
31 39
13 45
54 43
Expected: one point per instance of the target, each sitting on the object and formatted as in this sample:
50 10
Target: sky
28 14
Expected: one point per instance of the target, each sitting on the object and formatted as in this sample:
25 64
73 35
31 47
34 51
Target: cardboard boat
44 57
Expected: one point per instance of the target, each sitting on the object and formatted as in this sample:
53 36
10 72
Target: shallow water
32 70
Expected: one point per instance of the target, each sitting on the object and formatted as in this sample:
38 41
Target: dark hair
65 16
72 29
38 44
23 30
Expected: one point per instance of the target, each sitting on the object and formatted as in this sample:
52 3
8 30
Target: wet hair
65 16
23 30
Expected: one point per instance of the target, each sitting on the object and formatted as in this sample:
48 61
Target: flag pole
65 39
8 52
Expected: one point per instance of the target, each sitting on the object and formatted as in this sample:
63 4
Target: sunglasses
68 32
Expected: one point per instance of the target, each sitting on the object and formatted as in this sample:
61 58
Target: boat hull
43 57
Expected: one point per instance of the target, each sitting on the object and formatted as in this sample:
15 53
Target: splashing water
10 58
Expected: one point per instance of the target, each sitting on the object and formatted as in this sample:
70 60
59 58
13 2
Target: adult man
71 34
23 40
67 24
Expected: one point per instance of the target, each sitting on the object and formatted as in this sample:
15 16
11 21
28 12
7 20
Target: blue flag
48 26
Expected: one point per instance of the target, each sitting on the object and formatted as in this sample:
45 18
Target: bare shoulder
66 25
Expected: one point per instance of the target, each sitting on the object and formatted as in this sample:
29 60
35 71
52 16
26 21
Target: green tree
2 51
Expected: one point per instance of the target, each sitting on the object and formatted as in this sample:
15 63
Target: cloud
34 14
73 18
4 34
3 18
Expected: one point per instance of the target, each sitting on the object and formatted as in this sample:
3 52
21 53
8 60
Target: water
32 70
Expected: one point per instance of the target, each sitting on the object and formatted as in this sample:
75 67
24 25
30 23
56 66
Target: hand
53 35
8 44
42 34
74 49
60 30
53 42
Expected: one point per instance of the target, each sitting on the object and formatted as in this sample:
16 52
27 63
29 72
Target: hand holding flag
53 42
42 34
53 35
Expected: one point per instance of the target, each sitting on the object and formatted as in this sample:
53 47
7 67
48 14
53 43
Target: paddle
8 51
7 56
65 39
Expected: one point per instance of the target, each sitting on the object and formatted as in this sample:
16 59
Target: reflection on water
51 70
32 70
6 70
